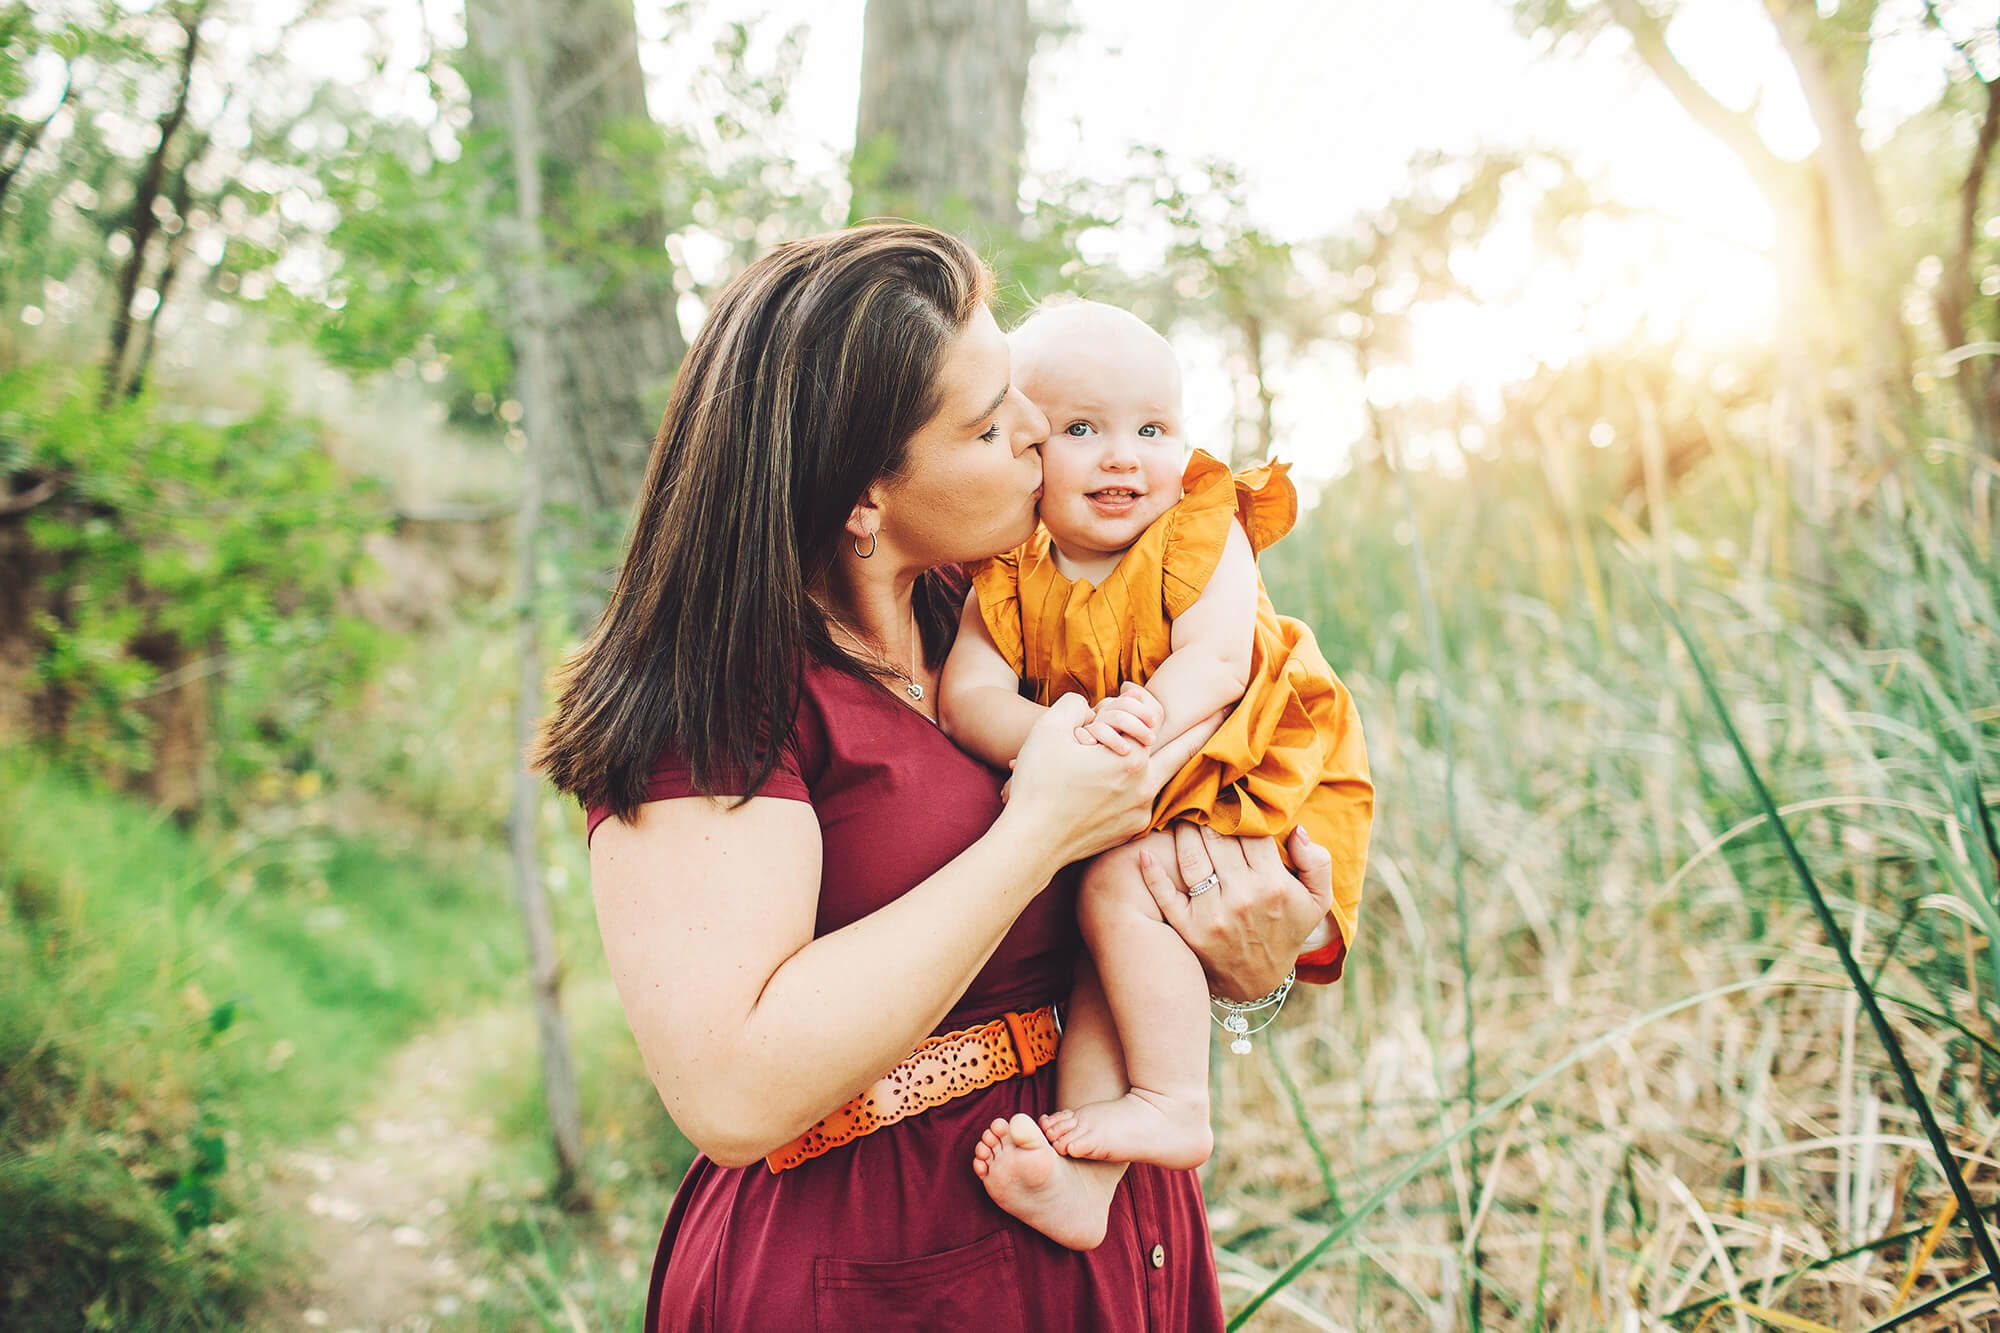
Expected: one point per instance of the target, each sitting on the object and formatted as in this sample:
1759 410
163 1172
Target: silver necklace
911 686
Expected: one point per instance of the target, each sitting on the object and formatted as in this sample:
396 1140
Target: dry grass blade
1919 1103
1945 1297
1423 1160
1775 1318
1825 1261
1923 1254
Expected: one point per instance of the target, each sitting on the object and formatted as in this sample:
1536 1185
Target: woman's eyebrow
991 407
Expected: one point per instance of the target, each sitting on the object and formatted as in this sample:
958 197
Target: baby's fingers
1109 737
1141 701
1127 724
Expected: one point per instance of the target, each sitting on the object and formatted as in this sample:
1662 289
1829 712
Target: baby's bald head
1071 348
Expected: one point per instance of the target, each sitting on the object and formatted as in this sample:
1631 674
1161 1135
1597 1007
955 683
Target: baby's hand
1124 720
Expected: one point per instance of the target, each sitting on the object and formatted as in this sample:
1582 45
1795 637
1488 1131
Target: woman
844 434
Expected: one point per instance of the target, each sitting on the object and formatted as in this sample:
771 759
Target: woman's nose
1034 429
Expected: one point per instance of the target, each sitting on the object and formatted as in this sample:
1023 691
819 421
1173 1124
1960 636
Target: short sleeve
670 777
1262 498
997 583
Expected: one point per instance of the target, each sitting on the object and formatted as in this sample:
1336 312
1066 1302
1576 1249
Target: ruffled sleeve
997 584
1267 502
1262 498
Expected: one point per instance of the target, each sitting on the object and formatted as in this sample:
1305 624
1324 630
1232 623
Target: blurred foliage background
332 338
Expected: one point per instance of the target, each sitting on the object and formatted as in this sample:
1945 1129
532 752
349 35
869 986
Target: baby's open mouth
1113 499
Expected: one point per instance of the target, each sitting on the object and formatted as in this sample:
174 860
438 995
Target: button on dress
894 1231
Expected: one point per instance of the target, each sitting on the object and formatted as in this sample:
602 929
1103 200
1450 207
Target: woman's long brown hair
815 367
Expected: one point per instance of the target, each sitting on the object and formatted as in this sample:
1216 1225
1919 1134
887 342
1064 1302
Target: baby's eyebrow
991 407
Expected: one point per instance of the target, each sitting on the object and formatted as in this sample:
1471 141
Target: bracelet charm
1238 1025
1235 1016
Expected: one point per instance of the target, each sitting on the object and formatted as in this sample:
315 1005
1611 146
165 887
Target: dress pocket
976 1286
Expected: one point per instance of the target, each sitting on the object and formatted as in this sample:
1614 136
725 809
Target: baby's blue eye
1077 428
1155 430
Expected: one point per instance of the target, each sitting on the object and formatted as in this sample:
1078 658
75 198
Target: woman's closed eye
992 432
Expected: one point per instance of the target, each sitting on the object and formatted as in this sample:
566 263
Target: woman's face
974 471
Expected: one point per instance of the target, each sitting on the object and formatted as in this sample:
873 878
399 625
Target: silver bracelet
1235 1016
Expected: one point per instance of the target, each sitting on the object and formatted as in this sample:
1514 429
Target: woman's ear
864 521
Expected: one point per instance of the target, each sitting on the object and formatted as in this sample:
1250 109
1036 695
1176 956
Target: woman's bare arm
751 1028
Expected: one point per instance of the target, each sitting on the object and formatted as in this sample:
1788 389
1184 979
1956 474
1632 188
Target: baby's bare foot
1141 1126
1063 1200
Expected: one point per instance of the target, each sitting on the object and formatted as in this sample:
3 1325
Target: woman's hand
1250 928
1083 799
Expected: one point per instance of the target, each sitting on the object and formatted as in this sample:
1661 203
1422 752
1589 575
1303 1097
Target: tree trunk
939 133
21 141
1262 432
613 329
178 709
1835 281
178 200
141 222
1829 57
514 33
1978 377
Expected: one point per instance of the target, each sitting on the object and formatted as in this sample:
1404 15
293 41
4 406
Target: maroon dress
893 1230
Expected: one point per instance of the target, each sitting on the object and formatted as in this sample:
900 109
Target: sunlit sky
1323 105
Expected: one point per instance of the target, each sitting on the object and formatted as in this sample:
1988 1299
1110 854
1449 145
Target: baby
1140 591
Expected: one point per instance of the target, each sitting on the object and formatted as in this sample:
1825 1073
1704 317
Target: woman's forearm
849 1005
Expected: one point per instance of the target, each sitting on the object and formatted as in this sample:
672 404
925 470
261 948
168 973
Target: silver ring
1201 886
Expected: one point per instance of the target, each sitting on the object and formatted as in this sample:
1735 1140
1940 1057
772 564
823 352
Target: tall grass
1461 912
1753 1148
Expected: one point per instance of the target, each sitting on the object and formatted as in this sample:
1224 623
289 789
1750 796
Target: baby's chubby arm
1208 664
979 696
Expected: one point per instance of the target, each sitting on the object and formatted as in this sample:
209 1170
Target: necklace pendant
914 690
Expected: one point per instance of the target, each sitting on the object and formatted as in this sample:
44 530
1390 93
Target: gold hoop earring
871 546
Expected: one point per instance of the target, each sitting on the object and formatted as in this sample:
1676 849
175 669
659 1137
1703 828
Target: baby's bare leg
1067 1199
1090 1066
1158 996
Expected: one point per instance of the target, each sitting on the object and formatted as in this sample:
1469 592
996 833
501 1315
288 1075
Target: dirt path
371 1201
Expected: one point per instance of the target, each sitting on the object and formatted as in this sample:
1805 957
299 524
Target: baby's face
1115 453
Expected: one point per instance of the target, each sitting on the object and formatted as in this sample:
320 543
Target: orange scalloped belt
946 1066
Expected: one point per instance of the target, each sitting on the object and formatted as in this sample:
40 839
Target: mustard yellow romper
1290 753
